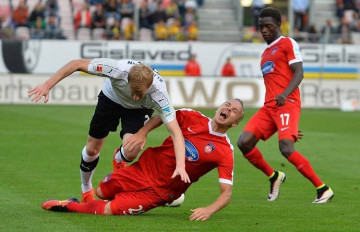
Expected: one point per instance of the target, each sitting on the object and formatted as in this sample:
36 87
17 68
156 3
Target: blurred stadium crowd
148 20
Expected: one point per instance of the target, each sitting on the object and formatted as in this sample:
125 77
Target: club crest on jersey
106 179
191 153
209 148
274 50
99 68
267 67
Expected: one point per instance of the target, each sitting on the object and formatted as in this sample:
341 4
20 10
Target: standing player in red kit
147 184
281 65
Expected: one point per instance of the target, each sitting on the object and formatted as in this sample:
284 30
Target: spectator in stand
161 32
99 17
53 30
83 17
300 8
37 31
38 11
257 6
313 36
190 16
7 27
20 15
126 9
285 26
192 31
176 32
130 30
114 32
356 26
228 69
158 15
330 30
51 7
145 16
172 10
192 67
344 31
112 14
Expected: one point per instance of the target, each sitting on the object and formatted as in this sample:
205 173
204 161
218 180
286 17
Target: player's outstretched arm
43 89
139 138
203 214
179 147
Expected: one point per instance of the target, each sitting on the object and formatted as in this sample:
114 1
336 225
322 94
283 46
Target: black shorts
108 114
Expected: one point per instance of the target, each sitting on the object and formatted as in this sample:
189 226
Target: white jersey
117 88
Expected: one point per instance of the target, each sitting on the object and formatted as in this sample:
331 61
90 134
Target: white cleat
324 196
275 186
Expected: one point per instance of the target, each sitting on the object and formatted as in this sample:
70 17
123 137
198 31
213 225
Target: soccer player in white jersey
146 184
130 93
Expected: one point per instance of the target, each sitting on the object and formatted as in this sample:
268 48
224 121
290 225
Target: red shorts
268 120
129 191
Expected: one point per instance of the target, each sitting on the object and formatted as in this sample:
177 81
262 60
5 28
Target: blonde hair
140 77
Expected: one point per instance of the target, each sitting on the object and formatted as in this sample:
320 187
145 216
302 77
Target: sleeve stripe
225 181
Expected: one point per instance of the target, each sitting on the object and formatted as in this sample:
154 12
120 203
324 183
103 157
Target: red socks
255 157
92 207
304 167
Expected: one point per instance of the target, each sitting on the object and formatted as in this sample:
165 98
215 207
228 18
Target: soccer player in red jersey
147 184
281 65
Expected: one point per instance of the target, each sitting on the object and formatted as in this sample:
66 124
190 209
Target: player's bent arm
66 70
297 69
203 214
43 89
179 147
140 136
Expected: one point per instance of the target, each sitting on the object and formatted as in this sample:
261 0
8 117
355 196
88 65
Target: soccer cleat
118 165
87 196
58 206
275 183
324 195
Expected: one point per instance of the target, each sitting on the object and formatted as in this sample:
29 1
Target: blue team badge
274 50
267 67
191 153
106 179
167 109
209 148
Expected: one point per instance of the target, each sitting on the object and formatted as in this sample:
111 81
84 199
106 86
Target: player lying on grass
147 183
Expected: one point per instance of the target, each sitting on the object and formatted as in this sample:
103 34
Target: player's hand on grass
134 141
182 173
280 100
199 214
300 135
38 92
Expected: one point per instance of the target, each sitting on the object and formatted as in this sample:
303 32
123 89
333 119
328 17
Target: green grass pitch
40 149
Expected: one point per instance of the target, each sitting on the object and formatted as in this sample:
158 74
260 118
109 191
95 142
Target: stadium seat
98 33
355 36
145 34
22 33
83 34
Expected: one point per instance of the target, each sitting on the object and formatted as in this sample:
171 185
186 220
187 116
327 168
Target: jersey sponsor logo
267 67
284 128
191 153
274 50
167 109
106 179
99 68
209 148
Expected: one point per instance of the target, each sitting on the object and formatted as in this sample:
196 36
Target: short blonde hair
140 77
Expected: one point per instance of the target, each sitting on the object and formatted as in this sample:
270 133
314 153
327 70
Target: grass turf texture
40 149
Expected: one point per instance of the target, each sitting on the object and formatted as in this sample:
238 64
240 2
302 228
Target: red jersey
192 68
275 66
205 150
228 70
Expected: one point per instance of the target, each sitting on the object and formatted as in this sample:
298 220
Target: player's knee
286 148
99 193
107 210
244 144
